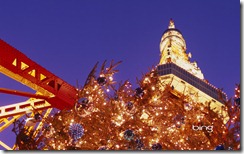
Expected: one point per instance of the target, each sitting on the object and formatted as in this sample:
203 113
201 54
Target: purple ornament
157 146
76 131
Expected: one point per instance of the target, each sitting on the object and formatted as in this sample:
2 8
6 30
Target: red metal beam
21 93
18 66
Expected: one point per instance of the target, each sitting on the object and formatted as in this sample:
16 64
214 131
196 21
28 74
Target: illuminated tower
184 76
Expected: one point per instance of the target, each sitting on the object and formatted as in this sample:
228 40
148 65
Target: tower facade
185 77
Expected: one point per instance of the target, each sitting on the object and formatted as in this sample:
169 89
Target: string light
111 78
152 119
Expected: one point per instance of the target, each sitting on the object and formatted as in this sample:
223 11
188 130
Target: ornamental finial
171 24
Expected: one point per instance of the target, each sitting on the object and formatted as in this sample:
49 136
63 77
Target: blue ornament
82 103
116 97
157 146
220 147
76 131
139 92
83 100
129 105
37 117
139 144
128 134
102 148
101 81
238 101
187 106
47 127
179 120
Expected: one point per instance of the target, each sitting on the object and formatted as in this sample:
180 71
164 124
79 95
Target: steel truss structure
51 91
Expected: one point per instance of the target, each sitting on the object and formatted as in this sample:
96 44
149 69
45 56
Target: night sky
69 37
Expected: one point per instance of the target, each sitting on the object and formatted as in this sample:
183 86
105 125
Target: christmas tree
114 116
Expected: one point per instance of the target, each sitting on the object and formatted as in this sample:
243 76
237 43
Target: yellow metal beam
8 121
5 146
23 108
41 123
10 113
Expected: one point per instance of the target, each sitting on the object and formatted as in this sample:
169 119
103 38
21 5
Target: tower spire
171 24
173 49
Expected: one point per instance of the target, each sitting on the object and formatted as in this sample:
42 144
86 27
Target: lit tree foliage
151 117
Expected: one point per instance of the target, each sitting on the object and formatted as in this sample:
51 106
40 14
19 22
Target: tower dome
172 35
173 49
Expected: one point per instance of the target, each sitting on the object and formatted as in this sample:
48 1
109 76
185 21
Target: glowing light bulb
119 117
144 116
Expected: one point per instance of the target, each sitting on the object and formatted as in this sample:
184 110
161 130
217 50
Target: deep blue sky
69 37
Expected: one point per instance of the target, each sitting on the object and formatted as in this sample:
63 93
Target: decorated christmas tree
114 116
